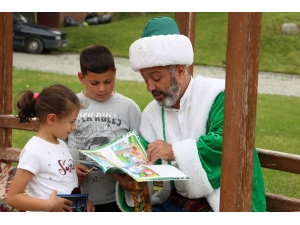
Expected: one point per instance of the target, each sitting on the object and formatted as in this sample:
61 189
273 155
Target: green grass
277 123
277 128
279 52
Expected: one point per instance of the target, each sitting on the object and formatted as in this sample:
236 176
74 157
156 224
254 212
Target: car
35 38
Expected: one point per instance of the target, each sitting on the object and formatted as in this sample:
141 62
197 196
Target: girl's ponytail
57 99
24 105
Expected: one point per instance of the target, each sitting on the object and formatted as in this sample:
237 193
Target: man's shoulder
208 79
152 107
208 84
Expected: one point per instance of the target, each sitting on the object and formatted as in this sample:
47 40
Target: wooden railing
268 158
282 162
8 154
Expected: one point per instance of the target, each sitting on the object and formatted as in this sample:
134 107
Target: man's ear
180 70
51 118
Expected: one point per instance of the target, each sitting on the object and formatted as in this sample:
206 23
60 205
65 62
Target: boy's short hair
96 59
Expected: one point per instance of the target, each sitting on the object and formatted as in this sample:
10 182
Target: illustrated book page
126 154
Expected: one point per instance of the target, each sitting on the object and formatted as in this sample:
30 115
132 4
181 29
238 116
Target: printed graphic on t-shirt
65 168
95 129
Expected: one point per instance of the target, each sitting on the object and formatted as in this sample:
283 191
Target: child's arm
17 199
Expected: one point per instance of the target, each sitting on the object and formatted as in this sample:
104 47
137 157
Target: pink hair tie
35 96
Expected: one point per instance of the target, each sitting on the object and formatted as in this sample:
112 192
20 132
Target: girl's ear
51 118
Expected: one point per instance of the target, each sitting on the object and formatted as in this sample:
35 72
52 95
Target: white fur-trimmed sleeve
186 155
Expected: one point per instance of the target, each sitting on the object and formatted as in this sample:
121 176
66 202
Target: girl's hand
58 204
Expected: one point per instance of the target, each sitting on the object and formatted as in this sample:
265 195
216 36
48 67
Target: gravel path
268 83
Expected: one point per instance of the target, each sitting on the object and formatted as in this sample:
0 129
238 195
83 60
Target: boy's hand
82 173
126 182
90 206
58 204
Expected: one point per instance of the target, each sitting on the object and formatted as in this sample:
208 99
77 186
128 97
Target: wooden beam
279 160
279 203
187 25
6 50
242 63
10 121
8 155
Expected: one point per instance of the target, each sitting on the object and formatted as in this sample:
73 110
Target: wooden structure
240 112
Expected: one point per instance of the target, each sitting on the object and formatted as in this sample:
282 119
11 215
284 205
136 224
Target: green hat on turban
161 44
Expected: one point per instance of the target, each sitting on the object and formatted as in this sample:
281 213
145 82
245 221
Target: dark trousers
178 203
108 207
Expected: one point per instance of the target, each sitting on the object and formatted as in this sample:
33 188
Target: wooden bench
282 162
11 155
269 159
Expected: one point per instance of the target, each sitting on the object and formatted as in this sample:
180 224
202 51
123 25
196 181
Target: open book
79 201
127 155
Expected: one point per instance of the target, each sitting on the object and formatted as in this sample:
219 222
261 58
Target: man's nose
151 86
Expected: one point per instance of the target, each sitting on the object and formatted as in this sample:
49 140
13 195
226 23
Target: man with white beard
183 126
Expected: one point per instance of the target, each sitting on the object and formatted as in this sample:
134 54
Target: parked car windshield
20 17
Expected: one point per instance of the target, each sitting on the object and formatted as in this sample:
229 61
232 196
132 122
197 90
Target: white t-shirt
52 166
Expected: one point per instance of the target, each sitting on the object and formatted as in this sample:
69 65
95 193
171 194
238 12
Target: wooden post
6 53
242 64
187 25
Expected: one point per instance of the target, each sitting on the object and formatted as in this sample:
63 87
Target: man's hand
82 173
125 181
160 150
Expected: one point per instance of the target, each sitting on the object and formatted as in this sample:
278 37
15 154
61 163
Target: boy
105 116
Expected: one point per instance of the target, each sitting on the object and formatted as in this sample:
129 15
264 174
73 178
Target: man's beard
172 95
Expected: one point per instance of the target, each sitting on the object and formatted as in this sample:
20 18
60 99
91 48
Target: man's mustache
156 92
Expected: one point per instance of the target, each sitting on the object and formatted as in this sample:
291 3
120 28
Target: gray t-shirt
97 124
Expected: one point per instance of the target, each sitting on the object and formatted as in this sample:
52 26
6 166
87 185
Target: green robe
208 149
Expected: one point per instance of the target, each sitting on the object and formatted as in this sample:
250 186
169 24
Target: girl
45 164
